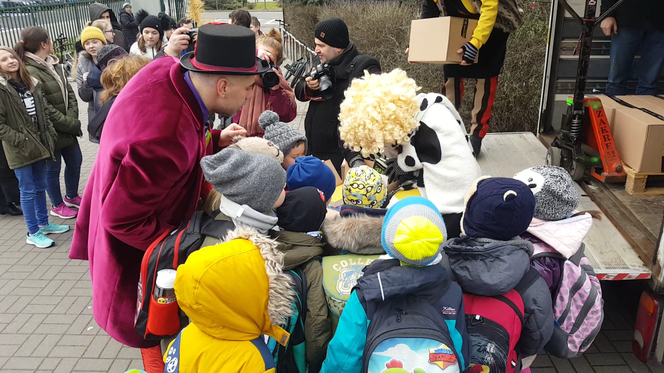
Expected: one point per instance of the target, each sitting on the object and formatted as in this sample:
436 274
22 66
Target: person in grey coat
489 259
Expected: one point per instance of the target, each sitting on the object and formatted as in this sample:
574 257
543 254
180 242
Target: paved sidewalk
46 322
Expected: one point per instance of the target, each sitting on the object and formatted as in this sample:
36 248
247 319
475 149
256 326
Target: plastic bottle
164 291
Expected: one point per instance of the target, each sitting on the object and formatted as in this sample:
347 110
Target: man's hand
229 133
313 85
469 53
178 42
609 26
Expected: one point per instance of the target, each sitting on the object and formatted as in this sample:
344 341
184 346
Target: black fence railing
175 8
66 18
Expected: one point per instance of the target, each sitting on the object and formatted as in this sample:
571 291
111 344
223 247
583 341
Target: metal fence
67 18
174 8
295 50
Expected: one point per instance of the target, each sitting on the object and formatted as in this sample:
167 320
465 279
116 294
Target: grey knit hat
255 180
554 190
281 134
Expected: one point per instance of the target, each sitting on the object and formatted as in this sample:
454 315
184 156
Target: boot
14 210
476 143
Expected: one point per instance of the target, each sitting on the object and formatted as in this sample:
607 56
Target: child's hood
236 290
565 236
359 234
298 248
488 267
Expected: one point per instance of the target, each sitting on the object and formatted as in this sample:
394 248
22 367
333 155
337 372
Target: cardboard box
639 136
436 40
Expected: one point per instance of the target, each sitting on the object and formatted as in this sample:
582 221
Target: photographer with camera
339 63
271 92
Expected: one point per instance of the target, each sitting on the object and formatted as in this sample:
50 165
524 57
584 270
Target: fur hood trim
358 234
281 295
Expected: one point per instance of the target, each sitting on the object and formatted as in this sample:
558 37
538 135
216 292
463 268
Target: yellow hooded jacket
233 293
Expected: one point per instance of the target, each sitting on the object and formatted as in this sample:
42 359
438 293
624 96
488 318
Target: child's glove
469 53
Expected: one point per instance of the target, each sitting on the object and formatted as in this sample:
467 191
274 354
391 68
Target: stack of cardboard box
638 130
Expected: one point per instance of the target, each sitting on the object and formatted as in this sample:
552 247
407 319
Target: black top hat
224 49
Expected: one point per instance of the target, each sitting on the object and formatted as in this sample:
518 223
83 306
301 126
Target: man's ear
222 86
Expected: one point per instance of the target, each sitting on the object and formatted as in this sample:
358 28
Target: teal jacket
346 349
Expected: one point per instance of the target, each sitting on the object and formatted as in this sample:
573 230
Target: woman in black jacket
9 193
129 24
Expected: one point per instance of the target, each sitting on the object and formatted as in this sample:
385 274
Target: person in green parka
28 139
36 51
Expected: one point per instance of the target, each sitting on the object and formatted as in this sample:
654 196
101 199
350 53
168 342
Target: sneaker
62 211
38 239
73 202
54 228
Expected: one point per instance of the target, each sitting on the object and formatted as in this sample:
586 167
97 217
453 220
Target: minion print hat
364 187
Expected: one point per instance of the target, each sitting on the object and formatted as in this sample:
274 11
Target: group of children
420 307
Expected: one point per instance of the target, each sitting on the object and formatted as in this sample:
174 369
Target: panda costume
435 147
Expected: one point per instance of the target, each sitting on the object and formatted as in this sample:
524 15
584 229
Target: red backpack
494 325
156 320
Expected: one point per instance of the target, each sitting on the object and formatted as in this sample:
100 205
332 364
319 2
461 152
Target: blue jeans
73 159
32 186
624 46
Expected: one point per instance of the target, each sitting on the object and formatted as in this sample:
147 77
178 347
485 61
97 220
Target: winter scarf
259 102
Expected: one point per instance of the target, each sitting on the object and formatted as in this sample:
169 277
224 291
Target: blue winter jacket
346 349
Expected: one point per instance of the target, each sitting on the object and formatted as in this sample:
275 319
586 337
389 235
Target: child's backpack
155 320
494 325
577 303
292 357
340 274
412 332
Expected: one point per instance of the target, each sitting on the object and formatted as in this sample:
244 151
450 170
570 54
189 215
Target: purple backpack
578 307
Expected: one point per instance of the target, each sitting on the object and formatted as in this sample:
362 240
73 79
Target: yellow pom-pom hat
413 231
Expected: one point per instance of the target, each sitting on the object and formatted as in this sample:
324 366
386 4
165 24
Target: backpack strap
172 363
580 254
527 281
216 228
260 345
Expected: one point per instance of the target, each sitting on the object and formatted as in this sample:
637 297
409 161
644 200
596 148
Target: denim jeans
32 186
73 159
624 46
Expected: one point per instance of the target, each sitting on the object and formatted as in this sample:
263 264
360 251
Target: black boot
476 143
14 210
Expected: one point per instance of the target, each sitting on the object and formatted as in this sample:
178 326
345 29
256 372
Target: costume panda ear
424 104
438 99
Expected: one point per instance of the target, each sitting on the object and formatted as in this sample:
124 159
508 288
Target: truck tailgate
504 154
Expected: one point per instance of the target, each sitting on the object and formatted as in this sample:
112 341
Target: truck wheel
553 156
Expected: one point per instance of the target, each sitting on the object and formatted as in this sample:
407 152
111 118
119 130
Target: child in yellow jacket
496 20
234 294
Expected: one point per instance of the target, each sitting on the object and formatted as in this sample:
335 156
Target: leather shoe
13 210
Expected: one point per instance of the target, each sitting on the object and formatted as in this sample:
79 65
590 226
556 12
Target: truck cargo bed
609 247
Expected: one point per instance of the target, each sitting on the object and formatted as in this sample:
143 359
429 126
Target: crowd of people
256 297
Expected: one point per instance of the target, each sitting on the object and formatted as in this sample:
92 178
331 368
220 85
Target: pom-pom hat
280 133
413 231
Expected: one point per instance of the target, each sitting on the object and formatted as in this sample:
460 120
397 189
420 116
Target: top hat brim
188 61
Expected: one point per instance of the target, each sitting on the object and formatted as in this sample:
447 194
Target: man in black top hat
345 63
147 178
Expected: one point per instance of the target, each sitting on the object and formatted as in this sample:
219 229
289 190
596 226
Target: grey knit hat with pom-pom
281 134
555 191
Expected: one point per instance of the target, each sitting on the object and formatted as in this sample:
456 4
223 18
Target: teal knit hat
413 231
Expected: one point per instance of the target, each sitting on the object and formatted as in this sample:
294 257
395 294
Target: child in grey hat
291 142
251 186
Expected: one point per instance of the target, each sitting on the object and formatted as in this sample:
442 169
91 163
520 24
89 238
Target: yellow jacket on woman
234 293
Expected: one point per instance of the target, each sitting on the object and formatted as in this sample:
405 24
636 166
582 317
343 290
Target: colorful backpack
292 357
412 332
494 325
577 304
155 320
340 274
